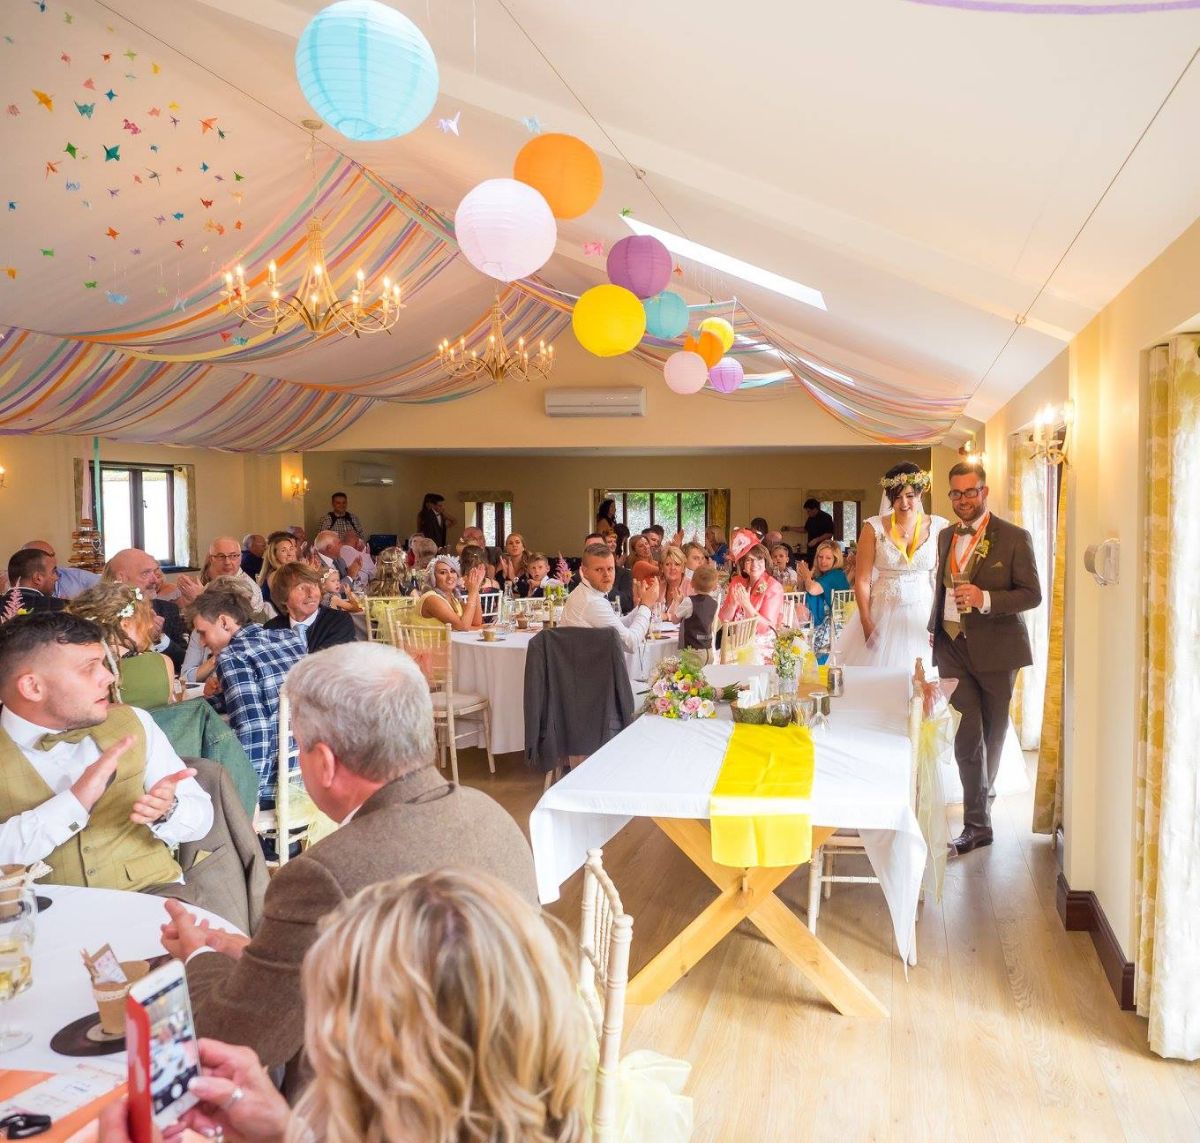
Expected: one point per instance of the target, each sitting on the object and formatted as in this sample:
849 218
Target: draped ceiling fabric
132 179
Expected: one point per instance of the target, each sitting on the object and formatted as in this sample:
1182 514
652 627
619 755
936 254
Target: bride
894 589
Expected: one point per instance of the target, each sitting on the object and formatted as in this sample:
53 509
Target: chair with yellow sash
842 605
428 644
846 843
735 637
375 609
295 819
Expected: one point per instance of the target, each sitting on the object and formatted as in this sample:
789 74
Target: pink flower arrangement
679 690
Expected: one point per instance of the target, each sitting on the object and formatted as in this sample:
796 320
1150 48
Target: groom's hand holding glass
967 597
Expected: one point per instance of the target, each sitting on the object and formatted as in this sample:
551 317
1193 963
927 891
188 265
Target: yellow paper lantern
608 320
565 171
721 328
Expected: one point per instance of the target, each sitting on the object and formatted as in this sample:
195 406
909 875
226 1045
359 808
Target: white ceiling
926 168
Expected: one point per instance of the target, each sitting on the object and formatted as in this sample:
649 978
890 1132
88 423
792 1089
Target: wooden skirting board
1080 911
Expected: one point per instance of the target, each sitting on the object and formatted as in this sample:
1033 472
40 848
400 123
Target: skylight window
727 264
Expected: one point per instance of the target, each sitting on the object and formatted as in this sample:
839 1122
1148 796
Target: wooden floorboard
1006 1030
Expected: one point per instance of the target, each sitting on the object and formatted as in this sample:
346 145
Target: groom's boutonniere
983 547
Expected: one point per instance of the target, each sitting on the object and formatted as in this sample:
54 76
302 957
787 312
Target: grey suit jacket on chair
997 641
415 824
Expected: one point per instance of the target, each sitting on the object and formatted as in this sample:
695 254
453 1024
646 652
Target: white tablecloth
497 670
662 768
61 990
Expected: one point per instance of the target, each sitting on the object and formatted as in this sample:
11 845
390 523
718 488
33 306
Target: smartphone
164 1054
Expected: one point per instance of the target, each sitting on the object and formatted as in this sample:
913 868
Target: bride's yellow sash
759 806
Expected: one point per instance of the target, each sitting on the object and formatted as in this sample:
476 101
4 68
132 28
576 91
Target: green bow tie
963 530
50 741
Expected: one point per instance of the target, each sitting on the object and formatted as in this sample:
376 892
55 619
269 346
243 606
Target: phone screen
174 1051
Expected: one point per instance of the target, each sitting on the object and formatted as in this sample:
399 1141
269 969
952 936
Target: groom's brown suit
987 653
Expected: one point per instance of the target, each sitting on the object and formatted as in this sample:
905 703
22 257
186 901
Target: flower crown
918 480
126 612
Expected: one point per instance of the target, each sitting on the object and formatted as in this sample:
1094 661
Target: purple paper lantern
726 375
641 264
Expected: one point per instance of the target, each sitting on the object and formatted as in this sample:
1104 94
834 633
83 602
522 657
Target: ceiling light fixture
497 361
727 264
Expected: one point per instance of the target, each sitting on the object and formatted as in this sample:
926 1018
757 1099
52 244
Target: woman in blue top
825 576
715 546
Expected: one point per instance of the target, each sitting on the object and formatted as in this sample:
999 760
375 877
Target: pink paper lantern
641 264
726 375
685 373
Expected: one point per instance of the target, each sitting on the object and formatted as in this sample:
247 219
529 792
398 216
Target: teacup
489 634
110 997
522 622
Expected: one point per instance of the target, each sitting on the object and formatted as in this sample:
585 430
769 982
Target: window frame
620 495
137 530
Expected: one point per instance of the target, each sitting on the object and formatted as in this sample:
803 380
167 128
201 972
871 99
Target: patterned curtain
1168 770
1048 792
718 509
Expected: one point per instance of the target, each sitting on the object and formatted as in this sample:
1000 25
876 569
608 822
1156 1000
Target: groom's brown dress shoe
970 838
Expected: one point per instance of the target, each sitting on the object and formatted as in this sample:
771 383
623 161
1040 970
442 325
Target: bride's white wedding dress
901 602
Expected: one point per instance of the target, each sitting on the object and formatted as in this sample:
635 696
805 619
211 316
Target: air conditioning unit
369 475
629 402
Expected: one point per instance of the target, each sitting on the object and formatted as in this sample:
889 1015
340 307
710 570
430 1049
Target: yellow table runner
759 805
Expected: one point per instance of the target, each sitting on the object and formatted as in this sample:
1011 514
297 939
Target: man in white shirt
224 558
587 605
119 795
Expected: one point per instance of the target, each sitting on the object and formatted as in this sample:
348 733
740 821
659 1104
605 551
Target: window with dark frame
139 509
492 517
846 515
677 510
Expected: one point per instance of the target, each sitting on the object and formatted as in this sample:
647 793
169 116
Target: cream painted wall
552 495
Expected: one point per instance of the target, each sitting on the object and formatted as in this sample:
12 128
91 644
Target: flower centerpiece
678 689
791 650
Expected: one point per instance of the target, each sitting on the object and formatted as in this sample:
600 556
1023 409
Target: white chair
294 818
842 605
429 646
375 608
605 935
849 842
793 606
736 636
489 605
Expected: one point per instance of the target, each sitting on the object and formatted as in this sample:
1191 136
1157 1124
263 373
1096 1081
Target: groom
986 576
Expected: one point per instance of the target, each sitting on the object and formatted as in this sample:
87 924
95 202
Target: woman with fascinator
441 604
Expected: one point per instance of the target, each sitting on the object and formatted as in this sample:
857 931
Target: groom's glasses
965 494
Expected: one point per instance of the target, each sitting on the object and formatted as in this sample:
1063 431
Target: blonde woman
676 584
512 563
145 678
281 549
438 1009
715 545
441 604
391 576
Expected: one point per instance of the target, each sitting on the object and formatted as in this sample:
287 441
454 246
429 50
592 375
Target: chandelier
315 303
497 361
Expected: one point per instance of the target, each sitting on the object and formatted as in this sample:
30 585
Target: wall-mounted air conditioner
629 402
369 475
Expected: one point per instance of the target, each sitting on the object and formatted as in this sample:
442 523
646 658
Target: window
684 510
492 517
147 506
845 515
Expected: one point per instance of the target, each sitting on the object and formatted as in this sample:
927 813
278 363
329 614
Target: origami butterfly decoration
154 111
178 216
237 178
71 149
52 168
112 233
450 126
207 124
132 128
206 203
117 299
160 219
47 101
112 154
47 253
594 249
85 109
532 124
72 186
90 285
203 167
90 84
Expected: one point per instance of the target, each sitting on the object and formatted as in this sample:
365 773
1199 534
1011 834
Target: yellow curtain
1168 767
718 509
1048 793
1016 454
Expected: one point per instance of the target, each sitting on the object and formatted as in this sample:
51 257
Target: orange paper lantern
708 345
565 170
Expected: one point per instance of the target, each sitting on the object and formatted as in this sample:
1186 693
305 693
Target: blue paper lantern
367 70
666 315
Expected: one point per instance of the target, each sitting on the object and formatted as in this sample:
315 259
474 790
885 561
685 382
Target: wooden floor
1006 1030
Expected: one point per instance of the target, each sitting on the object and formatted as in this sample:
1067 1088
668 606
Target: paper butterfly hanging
112 233
71 149
47 101
110 95
450 126
594 249
532 125
112 154
117 299
154 111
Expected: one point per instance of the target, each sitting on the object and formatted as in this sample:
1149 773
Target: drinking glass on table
18 908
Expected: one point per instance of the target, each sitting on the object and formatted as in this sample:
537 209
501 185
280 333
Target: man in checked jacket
251 664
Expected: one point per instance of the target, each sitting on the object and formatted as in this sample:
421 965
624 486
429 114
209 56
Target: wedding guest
588 605
753 592
359 564
826 575
622 588
251 666
675 583
715 545
224 558
281 549
362 718
781 566
421 549
639 549
818 527
301 537
339 518
198 661
92 788
759 525
432 521
620 545
654 534
473 557
512 563
473 536
441 604
298 589
163 588
697 612
695 557
771 539
70 581
392 577
140 569
533 584
253 546
33 576
145 677
606 517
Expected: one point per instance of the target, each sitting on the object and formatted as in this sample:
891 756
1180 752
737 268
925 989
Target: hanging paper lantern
641 264
608 320
685 373
367 70
708 345
726 375
666 315
564 170
721 328
505 229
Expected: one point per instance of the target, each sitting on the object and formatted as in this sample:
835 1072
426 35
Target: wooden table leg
748 893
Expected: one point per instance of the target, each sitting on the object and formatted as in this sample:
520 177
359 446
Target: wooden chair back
375 610
735 636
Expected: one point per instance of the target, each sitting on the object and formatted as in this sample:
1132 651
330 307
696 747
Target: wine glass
18 908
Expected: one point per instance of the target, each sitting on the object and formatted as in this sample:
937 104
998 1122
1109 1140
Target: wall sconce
3 476
969 453
1043 442
299 487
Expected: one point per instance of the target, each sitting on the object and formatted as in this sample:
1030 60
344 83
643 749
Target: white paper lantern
685 372
505 229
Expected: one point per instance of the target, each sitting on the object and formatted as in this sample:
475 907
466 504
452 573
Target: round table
497 671
61 990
